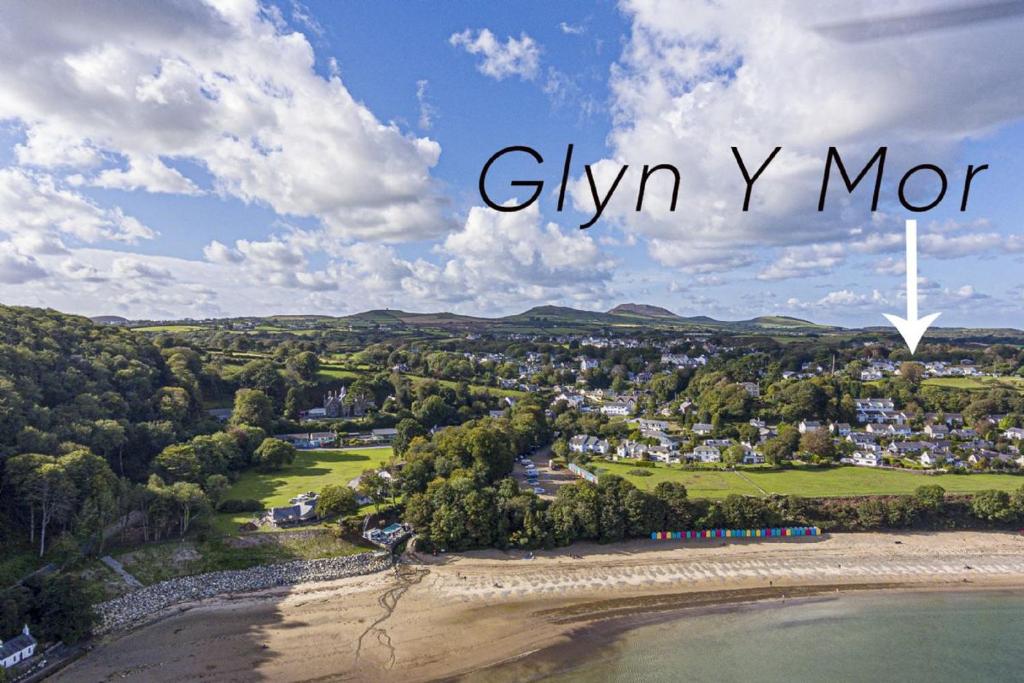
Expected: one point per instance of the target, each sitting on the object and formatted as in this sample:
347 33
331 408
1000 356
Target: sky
194 160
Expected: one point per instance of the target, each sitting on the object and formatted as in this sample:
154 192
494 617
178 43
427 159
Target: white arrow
911 327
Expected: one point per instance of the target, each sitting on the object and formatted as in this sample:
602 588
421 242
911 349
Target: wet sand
459 615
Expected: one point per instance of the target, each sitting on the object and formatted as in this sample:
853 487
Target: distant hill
643 311
109 320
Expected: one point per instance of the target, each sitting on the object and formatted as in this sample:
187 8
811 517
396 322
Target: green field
810 483
977 383
310 472
168 328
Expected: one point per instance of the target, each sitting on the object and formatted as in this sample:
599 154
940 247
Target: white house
867 458
659 425
706 454
584 443
702 428
932 458
936 430
17 649
620 409
809 426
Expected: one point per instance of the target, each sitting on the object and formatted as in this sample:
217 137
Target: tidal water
876 637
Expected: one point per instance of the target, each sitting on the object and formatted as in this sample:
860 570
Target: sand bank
444 617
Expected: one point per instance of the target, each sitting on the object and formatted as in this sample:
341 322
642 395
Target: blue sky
243 159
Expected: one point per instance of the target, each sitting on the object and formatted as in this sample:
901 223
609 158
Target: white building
706 454
584 443
809 426
867 458
17 649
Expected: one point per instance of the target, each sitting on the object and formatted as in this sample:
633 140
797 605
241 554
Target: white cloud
572 29
428 112
691 85
149 174
227 87
36 210
815 259
16 267
515 57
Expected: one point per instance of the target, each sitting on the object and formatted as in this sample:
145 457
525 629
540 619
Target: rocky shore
138 606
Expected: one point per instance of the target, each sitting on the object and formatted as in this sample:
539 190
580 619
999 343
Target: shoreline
466 616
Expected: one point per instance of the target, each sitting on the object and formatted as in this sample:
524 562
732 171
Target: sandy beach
454 616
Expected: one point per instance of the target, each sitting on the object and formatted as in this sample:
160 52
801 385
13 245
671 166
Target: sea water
876 637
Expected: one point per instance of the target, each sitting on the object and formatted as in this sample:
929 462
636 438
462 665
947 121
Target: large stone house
338 404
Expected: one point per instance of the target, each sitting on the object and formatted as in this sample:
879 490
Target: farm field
310 472
838 481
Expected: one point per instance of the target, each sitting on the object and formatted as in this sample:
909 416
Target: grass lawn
310 472
699 484
977 383
810 483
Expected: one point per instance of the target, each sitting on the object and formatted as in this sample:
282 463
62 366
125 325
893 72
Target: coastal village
331 453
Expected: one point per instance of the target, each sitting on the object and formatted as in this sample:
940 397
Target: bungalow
706 454
903 447
17 649
867 458
310 440
718 443
302 508
644 423
702 428
807 426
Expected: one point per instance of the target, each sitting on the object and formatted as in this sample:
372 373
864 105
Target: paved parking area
548 479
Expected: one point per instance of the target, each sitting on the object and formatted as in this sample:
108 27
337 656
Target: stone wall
139 605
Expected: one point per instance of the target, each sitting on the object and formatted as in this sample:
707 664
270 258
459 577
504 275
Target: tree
190 501
405 432
273 454
374 486
109 438
432 411
262 375
336 499
912 372
930 497
216 486
252 407
992 506
818 442
304 366
64 609
54 494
